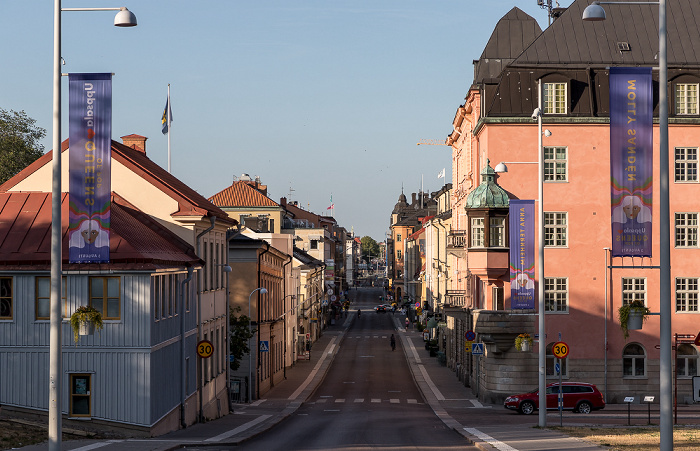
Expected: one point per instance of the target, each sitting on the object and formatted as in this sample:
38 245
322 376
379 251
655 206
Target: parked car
578 396
380 308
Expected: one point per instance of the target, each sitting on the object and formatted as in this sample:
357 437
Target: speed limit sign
560 349
205 349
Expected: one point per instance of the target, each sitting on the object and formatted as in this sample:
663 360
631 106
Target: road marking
321 400
364 356
490 440
431 384
349 382
412 401
340 400
413 351
394 391
240 428
376 400
359 399
476 403
313 372
332 410
258 402
394 401
98 445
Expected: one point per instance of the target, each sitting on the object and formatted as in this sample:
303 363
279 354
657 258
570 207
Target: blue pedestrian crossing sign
264 346
477 349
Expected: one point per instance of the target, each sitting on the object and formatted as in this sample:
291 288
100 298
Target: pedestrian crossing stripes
384 337
327 399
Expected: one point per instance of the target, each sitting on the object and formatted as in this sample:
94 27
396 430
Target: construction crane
432 142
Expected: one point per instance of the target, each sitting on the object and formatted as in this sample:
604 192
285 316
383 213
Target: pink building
584 285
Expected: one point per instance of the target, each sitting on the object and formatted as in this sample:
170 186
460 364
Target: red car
578 396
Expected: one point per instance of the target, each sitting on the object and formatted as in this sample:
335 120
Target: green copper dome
488 194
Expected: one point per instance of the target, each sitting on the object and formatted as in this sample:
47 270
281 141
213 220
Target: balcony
457 243
456 298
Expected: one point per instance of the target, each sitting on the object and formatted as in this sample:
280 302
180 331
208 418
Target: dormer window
687 99
554 95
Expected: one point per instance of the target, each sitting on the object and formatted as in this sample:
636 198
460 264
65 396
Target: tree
19 142
241 333
369 247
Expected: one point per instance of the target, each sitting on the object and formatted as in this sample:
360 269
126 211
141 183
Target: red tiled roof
136 241
241 194
190 202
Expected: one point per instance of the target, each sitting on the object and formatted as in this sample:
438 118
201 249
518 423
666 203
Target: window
556 294
398 254
633 361
686 164
5 297
555 164
477 232
686 294
686 361
634 289
43 298
554 98
687 230
497 232
104 296
687 98
398 237
80 393
555 229
552 360
314 244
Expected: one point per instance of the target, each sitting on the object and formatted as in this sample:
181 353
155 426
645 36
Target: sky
320 99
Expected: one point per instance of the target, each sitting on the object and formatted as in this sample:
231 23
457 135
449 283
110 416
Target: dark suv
578 396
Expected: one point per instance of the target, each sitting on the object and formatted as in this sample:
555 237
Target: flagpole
169 131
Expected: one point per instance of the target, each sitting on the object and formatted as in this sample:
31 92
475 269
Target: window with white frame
497 232
686 361
556 294
552 360
634 289
686 164
555 228
686 230
398 254
686 294
554 98
555 162
477 232
634 361
686 98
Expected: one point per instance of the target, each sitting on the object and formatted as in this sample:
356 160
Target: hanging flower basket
632 316
523 342
84 321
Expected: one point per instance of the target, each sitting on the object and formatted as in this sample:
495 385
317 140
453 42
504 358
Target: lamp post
594 12
501 167
124 18
262 290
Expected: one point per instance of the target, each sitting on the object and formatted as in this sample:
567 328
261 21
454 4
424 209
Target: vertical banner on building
522 254
631 160
90 137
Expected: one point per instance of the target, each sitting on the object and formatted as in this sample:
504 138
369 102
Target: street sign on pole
264 346
477 349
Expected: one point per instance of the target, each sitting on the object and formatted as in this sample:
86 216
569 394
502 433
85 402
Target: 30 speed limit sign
205 349
560 349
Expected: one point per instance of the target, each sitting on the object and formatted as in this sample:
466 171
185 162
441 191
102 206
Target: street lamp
595 12
124 18
262 290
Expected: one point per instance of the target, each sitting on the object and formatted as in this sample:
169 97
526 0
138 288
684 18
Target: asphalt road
368 399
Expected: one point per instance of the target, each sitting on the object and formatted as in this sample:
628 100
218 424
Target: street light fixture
262 290
124 18
595 12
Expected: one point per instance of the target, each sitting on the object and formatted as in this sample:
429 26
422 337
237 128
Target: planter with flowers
523 342
85 320
632 316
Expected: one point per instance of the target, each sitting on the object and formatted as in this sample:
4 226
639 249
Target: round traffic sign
205 349
560 349
470 335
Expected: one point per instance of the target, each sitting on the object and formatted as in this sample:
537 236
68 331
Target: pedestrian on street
393 342
407 321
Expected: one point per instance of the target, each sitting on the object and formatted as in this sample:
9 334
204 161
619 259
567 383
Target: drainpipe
257 357
183 369
228 321
199 321
284 309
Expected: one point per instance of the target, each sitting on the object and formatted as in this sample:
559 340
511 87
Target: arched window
552 360
634 361
686 361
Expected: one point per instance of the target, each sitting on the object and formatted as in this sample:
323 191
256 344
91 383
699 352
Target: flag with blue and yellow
167 117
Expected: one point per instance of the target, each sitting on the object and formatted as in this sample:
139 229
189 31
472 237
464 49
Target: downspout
183 370
228 321
284 309
200 366
257 303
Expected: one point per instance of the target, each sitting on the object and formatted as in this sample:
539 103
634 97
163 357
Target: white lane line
359 399
394 401
490 440
98 445
476 403
313 372
321 400
376 400
431 384
340 400
412 401
258 402
413 351
240 428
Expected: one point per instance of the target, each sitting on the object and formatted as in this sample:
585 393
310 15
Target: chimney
136 142
283 202
413 198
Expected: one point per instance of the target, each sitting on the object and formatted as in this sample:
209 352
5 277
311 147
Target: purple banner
631 160
90 139
522 254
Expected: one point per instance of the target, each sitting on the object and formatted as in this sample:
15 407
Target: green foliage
241 333
19 142
624 314
83 315
369 247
